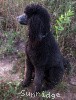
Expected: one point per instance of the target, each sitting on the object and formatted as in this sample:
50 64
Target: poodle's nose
22 19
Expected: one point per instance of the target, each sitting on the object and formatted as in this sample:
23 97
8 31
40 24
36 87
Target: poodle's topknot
36 9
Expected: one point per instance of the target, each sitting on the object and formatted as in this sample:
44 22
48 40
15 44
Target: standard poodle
42 51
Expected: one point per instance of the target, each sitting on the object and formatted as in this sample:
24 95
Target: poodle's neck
37 37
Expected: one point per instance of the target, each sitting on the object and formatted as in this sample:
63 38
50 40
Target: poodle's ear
36 26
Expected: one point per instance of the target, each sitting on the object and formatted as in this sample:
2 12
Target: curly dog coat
43 54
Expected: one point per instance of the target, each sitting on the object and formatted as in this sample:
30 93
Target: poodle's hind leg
55 76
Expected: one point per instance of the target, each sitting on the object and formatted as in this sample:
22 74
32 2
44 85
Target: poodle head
37 18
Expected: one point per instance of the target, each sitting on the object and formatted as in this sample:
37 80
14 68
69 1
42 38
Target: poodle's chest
36 55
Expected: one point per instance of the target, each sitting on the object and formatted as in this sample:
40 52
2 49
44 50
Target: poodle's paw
45 87
37 90
25 83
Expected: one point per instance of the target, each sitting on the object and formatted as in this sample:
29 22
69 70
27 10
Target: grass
62 87
12 91
10 43
7 90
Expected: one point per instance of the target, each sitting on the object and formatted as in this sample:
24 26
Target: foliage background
13 37
11 33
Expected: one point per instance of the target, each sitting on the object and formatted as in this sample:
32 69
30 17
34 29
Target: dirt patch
5 71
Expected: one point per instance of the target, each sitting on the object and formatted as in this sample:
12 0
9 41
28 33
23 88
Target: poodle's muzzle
22 19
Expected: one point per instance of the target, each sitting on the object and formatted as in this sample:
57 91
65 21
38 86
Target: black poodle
43 54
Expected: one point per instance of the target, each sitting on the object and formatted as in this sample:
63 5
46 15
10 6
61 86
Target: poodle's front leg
38 80
28 73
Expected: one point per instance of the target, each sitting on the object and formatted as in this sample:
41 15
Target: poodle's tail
67 66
